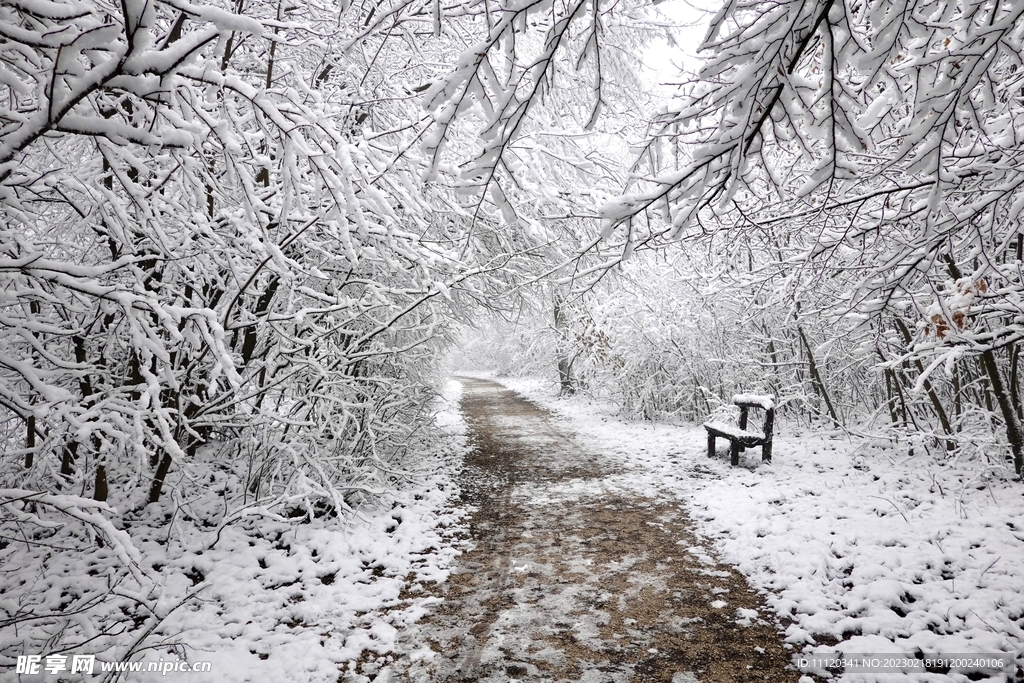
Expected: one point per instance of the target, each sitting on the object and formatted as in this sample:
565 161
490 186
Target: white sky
666 60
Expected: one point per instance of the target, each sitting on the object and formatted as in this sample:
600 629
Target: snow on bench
766 401
741 438
732 431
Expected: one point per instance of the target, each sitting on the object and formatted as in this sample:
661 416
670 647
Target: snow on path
859 547
579 571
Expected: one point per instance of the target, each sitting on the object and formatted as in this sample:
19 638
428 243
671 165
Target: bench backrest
769 416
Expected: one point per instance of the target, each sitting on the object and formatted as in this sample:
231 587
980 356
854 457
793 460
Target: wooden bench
739 436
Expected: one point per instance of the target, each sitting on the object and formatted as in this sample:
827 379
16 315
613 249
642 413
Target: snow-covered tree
871 145
237 235
196 246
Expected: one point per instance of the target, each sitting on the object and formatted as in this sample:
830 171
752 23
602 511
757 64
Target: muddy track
574 575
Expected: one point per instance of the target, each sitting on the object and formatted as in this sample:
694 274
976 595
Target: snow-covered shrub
221 263
72 582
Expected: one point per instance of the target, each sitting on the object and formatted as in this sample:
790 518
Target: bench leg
711 445
766 451
734 453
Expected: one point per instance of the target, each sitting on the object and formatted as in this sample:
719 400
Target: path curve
575 575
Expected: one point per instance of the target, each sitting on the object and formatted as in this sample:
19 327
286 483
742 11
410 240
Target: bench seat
729 431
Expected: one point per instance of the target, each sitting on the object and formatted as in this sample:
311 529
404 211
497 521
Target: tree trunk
816 379
1014 433
30 439
158 479
100 490
932 396
567 384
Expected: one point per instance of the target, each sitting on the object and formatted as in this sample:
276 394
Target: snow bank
265 598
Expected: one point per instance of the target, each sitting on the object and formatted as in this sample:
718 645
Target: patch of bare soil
576 576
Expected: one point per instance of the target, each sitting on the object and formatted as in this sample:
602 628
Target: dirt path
576 576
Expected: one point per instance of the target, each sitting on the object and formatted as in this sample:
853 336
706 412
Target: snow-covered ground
261 599
853 542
